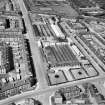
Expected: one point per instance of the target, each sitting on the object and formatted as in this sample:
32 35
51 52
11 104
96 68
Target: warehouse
60 55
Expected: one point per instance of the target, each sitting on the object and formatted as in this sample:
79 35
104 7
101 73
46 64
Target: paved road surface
40 68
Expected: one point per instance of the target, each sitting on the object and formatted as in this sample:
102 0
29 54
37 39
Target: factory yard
60 55
64 60
17 73
73 66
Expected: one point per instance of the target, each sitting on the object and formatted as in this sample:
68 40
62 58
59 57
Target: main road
34 93
39 66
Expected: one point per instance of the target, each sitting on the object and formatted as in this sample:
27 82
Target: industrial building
70 26
67 61
60 55
94 44
46 28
